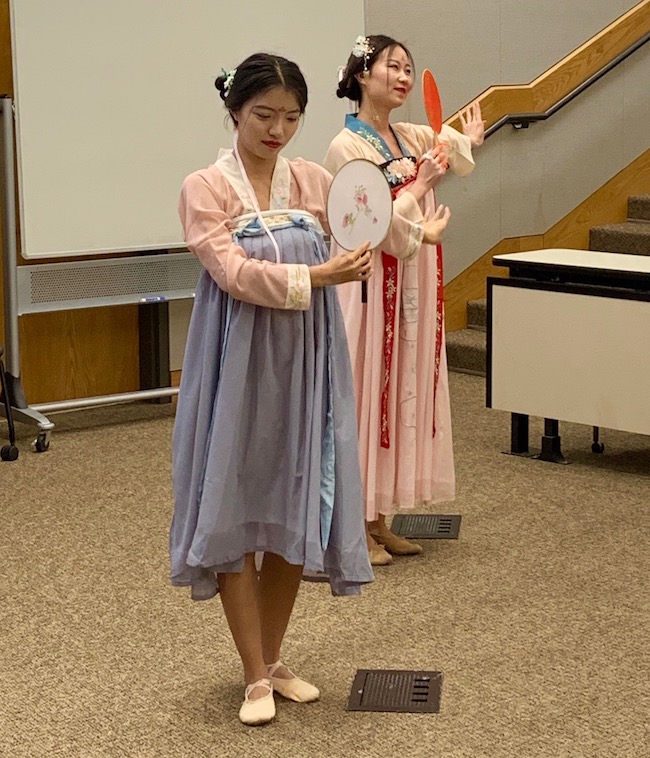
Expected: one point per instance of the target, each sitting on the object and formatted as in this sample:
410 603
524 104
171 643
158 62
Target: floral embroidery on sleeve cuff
298 287
416 235
460 157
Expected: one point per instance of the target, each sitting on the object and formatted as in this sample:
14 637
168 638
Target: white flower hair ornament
230 77
402 168
363 49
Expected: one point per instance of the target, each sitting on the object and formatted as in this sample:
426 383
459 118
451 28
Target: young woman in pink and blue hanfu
265 456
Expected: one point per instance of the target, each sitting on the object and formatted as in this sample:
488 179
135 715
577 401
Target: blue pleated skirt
265 454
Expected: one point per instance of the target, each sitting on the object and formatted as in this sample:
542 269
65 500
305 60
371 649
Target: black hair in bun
258 73
349 85
220 84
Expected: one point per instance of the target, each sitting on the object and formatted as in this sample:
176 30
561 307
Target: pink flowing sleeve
207 235
309 189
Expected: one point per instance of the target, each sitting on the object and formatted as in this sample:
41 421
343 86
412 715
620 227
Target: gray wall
471 45
525 181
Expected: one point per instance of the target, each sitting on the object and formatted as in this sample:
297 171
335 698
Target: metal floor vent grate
396 691
426 526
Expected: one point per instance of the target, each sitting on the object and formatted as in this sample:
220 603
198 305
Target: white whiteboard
571 357
115 105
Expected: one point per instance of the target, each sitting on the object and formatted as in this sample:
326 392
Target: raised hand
436 225
472 123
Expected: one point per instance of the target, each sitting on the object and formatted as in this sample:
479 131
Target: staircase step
632 237
638 207
466 351
477 314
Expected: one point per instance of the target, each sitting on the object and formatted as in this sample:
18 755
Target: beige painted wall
525 181
471 45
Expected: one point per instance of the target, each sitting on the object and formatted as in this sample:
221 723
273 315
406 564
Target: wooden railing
586 64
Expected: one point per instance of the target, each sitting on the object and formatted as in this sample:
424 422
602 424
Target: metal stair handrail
523 120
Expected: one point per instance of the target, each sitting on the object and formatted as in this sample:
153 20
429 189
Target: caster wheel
9 453
598 447
42 443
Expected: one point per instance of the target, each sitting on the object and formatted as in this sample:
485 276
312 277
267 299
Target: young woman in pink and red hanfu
396 338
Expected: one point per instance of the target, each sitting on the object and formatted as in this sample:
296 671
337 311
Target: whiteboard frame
115 105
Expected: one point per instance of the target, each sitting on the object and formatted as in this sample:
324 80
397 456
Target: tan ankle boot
396 545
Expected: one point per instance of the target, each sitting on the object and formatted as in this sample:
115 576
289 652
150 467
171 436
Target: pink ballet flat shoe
262 709
378 556
295 689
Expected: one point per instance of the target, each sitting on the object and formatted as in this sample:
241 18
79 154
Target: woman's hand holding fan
359 208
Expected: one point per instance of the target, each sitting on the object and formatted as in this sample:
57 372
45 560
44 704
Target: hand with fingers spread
355 266
436 225
472 123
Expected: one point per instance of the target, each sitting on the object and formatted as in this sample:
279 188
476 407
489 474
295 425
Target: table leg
519 434
551 443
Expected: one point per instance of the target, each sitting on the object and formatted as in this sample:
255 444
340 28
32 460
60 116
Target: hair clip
363 49
230 76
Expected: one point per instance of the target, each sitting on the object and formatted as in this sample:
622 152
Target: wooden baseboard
608 205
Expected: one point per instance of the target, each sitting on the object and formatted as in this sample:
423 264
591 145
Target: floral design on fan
362 209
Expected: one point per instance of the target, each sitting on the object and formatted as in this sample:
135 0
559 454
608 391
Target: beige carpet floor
538 616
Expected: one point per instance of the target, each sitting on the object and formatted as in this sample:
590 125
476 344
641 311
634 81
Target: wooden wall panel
71 354
608 205
79 353
6 77
6 88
